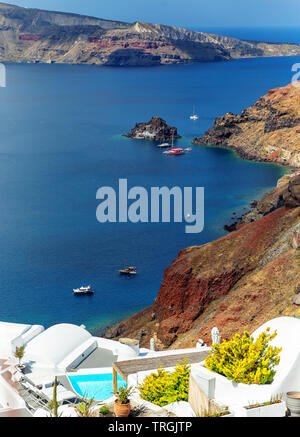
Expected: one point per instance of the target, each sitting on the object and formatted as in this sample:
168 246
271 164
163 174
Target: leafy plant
163 387
85 407
104 410
274 400
244 360
123 394
221 413
19 353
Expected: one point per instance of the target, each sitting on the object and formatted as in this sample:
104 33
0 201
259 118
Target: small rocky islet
156 129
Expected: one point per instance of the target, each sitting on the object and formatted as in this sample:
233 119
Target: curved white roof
9 331
50 347
15 334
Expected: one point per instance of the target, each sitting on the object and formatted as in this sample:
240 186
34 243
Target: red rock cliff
238 281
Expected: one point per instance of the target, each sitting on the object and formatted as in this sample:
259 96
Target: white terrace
66 349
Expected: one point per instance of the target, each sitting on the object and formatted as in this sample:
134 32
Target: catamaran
174 150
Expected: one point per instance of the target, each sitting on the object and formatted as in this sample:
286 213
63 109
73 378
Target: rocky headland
269 130
156 129
34 35
252 274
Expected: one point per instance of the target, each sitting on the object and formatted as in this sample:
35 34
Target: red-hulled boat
175 151
128 271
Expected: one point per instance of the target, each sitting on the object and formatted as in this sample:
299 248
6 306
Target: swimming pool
99 386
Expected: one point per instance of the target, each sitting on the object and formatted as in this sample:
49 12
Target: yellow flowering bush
163 387
244 360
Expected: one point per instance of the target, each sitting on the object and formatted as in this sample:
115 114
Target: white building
60 347
287 377
14 335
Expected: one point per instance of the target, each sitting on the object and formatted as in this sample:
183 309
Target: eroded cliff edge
236 282
34 35
269 130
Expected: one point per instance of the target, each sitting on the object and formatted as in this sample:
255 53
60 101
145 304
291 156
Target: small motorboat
164 145
175 151
83 290
188 149
128 271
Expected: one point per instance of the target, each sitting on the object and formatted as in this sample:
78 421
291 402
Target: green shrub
104 410
163 388
244 360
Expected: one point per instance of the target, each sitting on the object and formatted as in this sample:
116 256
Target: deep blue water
60 130
289 34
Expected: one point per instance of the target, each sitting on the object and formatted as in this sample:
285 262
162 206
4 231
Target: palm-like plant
85 407
19 353
123 394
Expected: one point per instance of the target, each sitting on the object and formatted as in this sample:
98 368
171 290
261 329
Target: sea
61 140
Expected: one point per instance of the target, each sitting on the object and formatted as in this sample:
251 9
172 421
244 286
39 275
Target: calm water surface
60 130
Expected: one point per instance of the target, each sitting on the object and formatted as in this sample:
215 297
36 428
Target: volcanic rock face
33 35
236 282
156 130
285 194
268 131
250 275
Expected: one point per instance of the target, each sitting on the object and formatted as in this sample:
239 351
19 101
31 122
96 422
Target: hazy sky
193 13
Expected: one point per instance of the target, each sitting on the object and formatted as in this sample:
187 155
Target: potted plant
275 407
122 403
19 354
293 403
223 412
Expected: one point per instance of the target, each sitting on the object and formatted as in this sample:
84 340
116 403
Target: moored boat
194 116
128 271
83 290
164 145
175 151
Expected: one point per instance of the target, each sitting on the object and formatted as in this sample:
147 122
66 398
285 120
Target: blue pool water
98 387
61 140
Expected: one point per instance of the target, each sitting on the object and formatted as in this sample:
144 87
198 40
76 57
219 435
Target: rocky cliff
33 35
235 283
155 130
269 130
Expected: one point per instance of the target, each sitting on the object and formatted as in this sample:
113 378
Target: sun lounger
62 393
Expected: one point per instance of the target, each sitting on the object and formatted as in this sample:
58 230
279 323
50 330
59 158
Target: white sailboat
164 145
194 116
